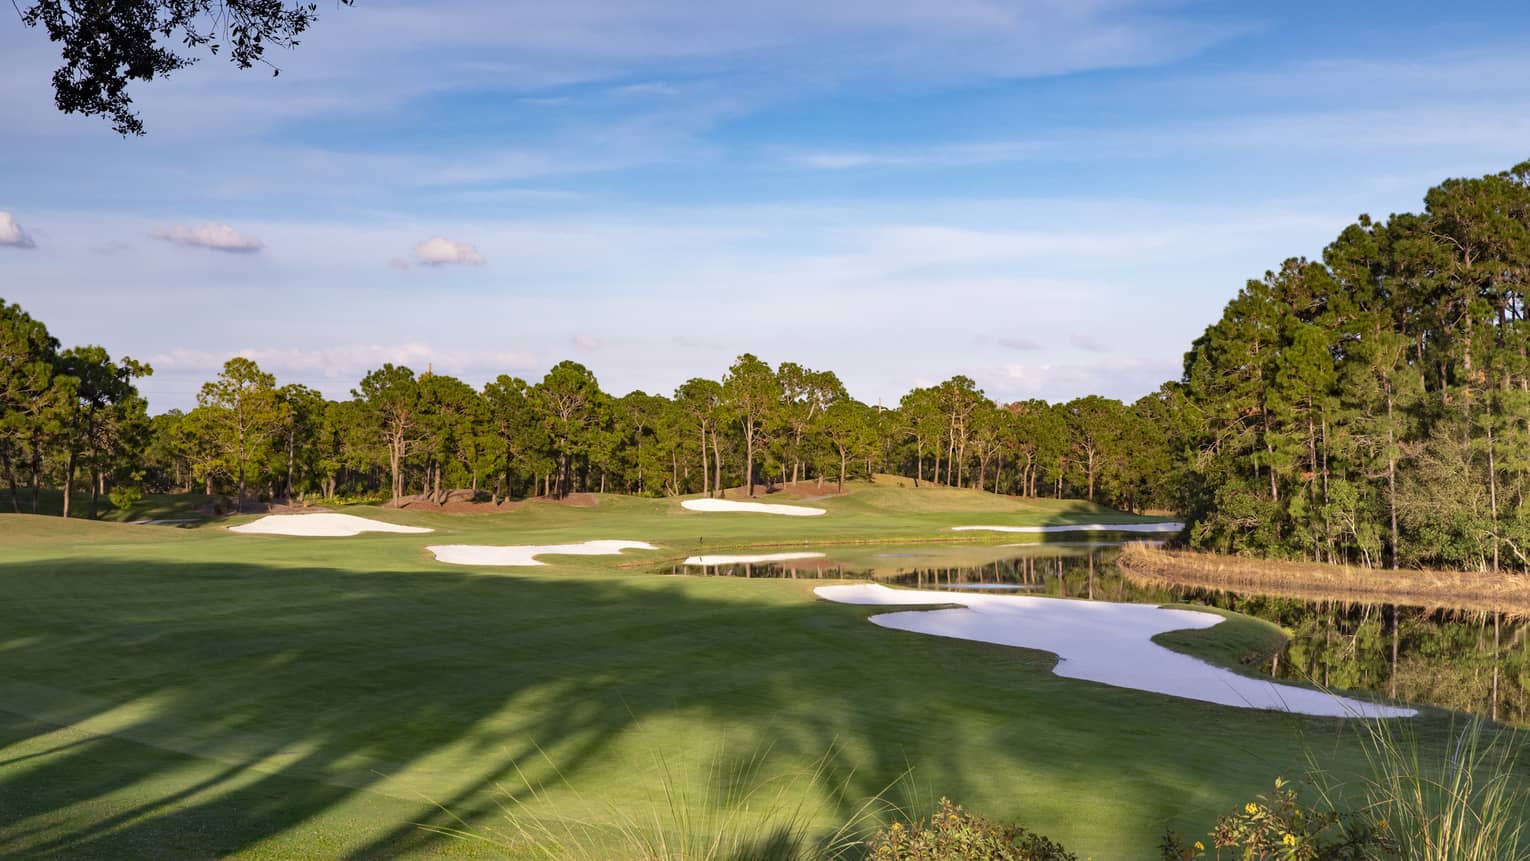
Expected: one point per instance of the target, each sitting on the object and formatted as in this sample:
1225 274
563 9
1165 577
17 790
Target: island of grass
193 692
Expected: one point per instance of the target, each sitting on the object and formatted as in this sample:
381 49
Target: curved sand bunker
755 507
723 559
1099 642
323 524
1077 527
525 554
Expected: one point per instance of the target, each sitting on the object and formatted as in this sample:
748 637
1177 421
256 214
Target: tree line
1372 407
74 416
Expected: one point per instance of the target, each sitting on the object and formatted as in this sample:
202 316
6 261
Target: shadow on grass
203 710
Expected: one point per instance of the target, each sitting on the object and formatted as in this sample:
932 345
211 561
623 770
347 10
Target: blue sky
1053 198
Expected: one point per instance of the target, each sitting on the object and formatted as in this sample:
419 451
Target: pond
1465 660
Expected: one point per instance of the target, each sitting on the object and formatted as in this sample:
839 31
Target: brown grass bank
1459 590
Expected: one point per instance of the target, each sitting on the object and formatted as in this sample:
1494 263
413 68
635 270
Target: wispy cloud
1024 345
11 234
1087 343
216 237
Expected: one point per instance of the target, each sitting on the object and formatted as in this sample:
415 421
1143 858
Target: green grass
1240 642
154 506
177 693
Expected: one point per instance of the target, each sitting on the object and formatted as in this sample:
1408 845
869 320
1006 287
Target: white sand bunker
321 524
723 559
1100 642
1078 527
756 507
525 554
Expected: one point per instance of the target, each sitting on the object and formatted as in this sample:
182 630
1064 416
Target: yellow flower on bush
1199 846
1251 808
1289 839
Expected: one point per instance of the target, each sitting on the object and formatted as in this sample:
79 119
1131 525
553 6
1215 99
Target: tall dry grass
1463 590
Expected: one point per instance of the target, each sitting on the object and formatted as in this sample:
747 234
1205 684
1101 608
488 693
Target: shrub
952 834
125 496
1279 825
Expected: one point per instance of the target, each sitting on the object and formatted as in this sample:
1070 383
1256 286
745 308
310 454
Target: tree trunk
10 475
36 472
68 481
1493 508
749 456
1392 476
717 485
394 458
706 476
97 487
291 463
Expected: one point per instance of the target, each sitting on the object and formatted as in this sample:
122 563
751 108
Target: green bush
125 497
952 834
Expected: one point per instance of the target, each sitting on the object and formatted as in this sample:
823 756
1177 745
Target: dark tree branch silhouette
107 44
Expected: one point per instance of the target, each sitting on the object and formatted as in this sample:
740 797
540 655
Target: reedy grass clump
1411 803
1465 805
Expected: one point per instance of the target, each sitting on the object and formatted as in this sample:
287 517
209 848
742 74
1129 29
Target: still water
1465 660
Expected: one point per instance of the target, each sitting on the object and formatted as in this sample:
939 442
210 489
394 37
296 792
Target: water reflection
1465 660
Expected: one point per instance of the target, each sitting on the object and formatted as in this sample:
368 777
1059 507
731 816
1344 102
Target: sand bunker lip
752 507
520 555
1077 527
321 524
742 559
1100 642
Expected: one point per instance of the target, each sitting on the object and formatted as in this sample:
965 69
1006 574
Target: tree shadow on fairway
180 710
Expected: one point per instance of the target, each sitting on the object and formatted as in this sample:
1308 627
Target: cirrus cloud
214 236
440 251
11 233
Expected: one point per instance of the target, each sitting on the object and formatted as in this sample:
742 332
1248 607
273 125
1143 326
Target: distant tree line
73 418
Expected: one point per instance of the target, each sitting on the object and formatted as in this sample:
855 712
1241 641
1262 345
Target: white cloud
214 236
440 251
587 343
11 233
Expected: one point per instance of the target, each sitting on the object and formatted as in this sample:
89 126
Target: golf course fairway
187 691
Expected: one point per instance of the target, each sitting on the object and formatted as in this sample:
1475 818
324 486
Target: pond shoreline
1459 590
